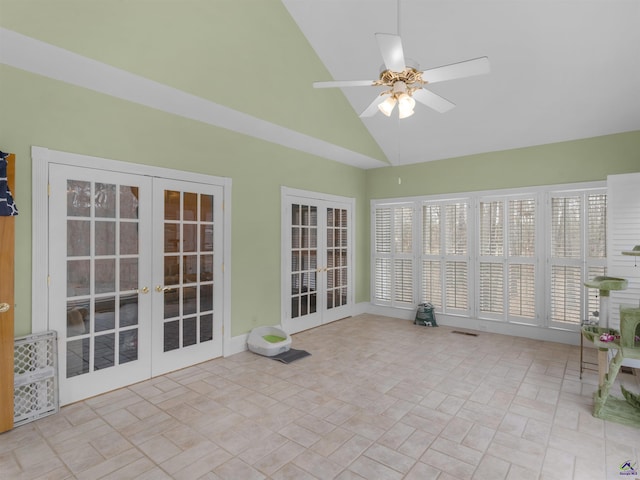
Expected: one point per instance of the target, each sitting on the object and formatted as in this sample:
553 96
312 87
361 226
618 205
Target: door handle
160 288
143 290
4 307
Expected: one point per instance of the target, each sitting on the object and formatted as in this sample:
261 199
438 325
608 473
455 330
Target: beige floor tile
368 468
350 450
125 462
235 469
479 438
448 464
422 471
396 435
449 407
317 465
292 472
278 458
558 464
519 451
159 449
491 468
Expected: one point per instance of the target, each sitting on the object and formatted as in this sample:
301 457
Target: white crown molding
35 56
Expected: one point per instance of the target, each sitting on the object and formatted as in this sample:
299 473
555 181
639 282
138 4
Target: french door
187 322
317 259
133 284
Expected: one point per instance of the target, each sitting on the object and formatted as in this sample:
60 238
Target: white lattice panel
623 234
35 377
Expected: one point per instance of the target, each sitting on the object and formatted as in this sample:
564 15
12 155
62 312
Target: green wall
585 160
44 112
48 113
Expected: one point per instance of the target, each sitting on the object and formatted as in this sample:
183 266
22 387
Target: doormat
290 356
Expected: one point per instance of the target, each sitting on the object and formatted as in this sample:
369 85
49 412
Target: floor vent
465 333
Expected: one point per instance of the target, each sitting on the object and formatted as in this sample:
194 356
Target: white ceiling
560 70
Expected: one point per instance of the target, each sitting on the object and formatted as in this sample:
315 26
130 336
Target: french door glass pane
102 274
129 202
336 256
304 259
78 198
78 238
188 269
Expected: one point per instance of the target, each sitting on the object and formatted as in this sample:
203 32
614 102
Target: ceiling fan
406 82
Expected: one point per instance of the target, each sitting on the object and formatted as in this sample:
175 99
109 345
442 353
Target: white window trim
542 195
41 158
286 195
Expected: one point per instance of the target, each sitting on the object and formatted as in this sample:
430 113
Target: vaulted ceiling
560 70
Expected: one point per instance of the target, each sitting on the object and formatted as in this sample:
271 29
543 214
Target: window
521 259
445 255
578 252
393 255
493 255
507 267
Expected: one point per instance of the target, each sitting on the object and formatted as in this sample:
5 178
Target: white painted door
187 305
135 277
100 279
317 258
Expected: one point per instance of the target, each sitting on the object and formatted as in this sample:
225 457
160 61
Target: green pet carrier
425 315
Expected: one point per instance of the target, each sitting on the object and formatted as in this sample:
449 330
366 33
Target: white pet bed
257 342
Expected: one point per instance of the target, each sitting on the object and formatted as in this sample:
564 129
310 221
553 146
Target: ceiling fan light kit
407 83
401 95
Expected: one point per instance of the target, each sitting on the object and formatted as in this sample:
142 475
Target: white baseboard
515 330
236 344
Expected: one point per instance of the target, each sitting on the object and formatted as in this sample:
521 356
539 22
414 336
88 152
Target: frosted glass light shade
386 107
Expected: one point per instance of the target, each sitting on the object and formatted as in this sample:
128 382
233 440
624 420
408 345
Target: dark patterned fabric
7 207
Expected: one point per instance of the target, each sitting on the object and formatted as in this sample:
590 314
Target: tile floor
379 398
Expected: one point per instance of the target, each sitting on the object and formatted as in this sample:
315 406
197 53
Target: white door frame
41 157
286 195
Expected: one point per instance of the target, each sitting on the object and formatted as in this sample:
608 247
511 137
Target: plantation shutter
566 253
431 280
596 248
382 261
491 267
456 257
521 260
393 255
403 263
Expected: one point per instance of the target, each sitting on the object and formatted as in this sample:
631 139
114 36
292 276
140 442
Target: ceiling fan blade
372 109
343 83
391 50
431 100
468 68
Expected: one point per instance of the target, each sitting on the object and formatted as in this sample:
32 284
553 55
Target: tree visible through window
511 261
